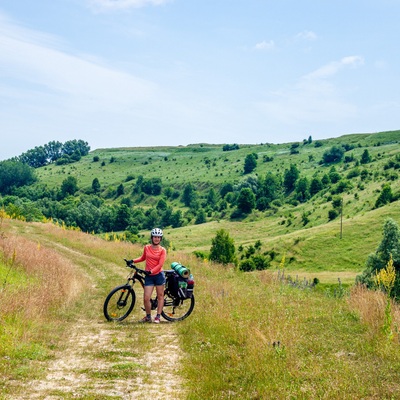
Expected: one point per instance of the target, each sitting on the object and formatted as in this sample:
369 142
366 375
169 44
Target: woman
154 254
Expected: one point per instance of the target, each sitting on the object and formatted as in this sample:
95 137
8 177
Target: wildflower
386 276
282 263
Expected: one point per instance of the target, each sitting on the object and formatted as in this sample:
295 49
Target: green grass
207 165
324 350
11 275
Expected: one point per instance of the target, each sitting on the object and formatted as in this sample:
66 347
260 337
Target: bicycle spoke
176 309
119 303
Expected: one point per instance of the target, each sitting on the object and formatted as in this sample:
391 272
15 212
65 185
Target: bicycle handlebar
130 264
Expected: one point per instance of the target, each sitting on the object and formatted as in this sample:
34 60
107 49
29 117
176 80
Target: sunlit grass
254 337
250 335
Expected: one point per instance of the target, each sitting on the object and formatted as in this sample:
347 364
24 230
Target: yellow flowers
115 237
282 263
386 276
3 214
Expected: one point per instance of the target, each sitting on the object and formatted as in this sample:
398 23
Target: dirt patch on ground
103 360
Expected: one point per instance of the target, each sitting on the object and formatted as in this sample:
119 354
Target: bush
201 254
332 214
247 265
333 155
223 248
246 201
389 247
250 163
261 262
385 196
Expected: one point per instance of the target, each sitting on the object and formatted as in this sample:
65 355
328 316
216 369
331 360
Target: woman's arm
141 258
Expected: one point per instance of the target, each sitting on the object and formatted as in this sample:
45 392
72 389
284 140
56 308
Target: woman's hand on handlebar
130 264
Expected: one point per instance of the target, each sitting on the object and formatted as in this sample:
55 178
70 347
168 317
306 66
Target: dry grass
38 286
370 306
52 280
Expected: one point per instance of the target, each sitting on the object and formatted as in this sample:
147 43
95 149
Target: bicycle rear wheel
176 309
119 303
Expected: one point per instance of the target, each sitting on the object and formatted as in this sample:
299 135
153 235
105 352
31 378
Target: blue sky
122 73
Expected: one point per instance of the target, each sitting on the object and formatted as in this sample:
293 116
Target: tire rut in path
79 372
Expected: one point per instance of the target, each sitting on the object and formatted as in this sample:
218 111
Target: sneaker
157 320
146 319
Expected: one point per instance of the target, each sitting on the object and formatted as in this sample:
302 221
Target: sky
135 73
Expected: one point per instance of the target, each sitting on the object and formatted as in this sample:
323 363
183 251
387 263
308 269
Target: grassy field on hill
207 164
301 231
251 336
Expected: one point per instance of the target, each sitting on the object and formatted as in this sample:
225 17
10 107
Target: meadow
251 335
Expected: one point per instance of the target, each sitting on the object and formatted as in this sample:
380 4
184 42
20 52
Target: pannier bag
180 282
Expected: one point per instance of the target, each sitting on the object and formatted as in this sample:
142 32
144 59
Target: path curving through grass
93 358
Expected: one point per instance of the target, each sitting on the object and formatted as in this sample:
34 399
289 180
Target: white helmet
156 232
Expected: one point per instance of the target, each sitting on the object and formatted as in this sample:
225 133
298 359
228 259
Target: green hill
139 188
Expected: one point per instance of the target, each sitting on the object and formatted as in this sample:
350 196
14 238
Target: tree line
54 152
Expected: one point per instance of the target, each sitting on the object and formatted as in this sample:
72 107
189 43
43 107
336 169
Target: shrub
261 262
247 265
200 254
333 155
389 248
385 196
246 200
250 163
332 214
223 248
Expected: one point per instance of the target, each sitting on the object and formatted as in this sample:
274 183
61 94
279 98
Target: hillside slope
332 228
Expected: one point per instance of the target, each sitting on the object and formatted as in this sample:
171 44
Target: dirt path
100 361
103 360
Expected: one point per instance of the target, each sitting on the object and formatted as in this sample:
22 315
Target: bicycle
121 300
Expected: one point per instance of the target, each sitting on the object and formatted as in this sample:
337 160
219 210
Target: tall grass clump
253 337
36 286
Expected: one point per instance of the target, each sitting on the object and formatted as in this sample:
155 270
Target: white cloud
123 4
34 64
264 45
48 92
306 35
335 66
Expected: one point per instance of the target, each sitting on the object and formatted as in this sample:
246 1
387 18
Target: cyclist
154 254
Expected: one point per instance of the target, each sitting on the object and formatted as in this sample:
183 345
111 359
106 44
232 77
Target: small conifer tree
223 248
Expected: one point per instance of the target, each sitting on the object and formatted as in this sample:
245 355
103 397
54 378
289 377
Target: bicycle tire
119 303
176 309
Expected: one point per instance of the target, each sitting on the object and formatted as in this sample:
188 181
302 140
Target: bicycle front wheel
119 303
176 309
